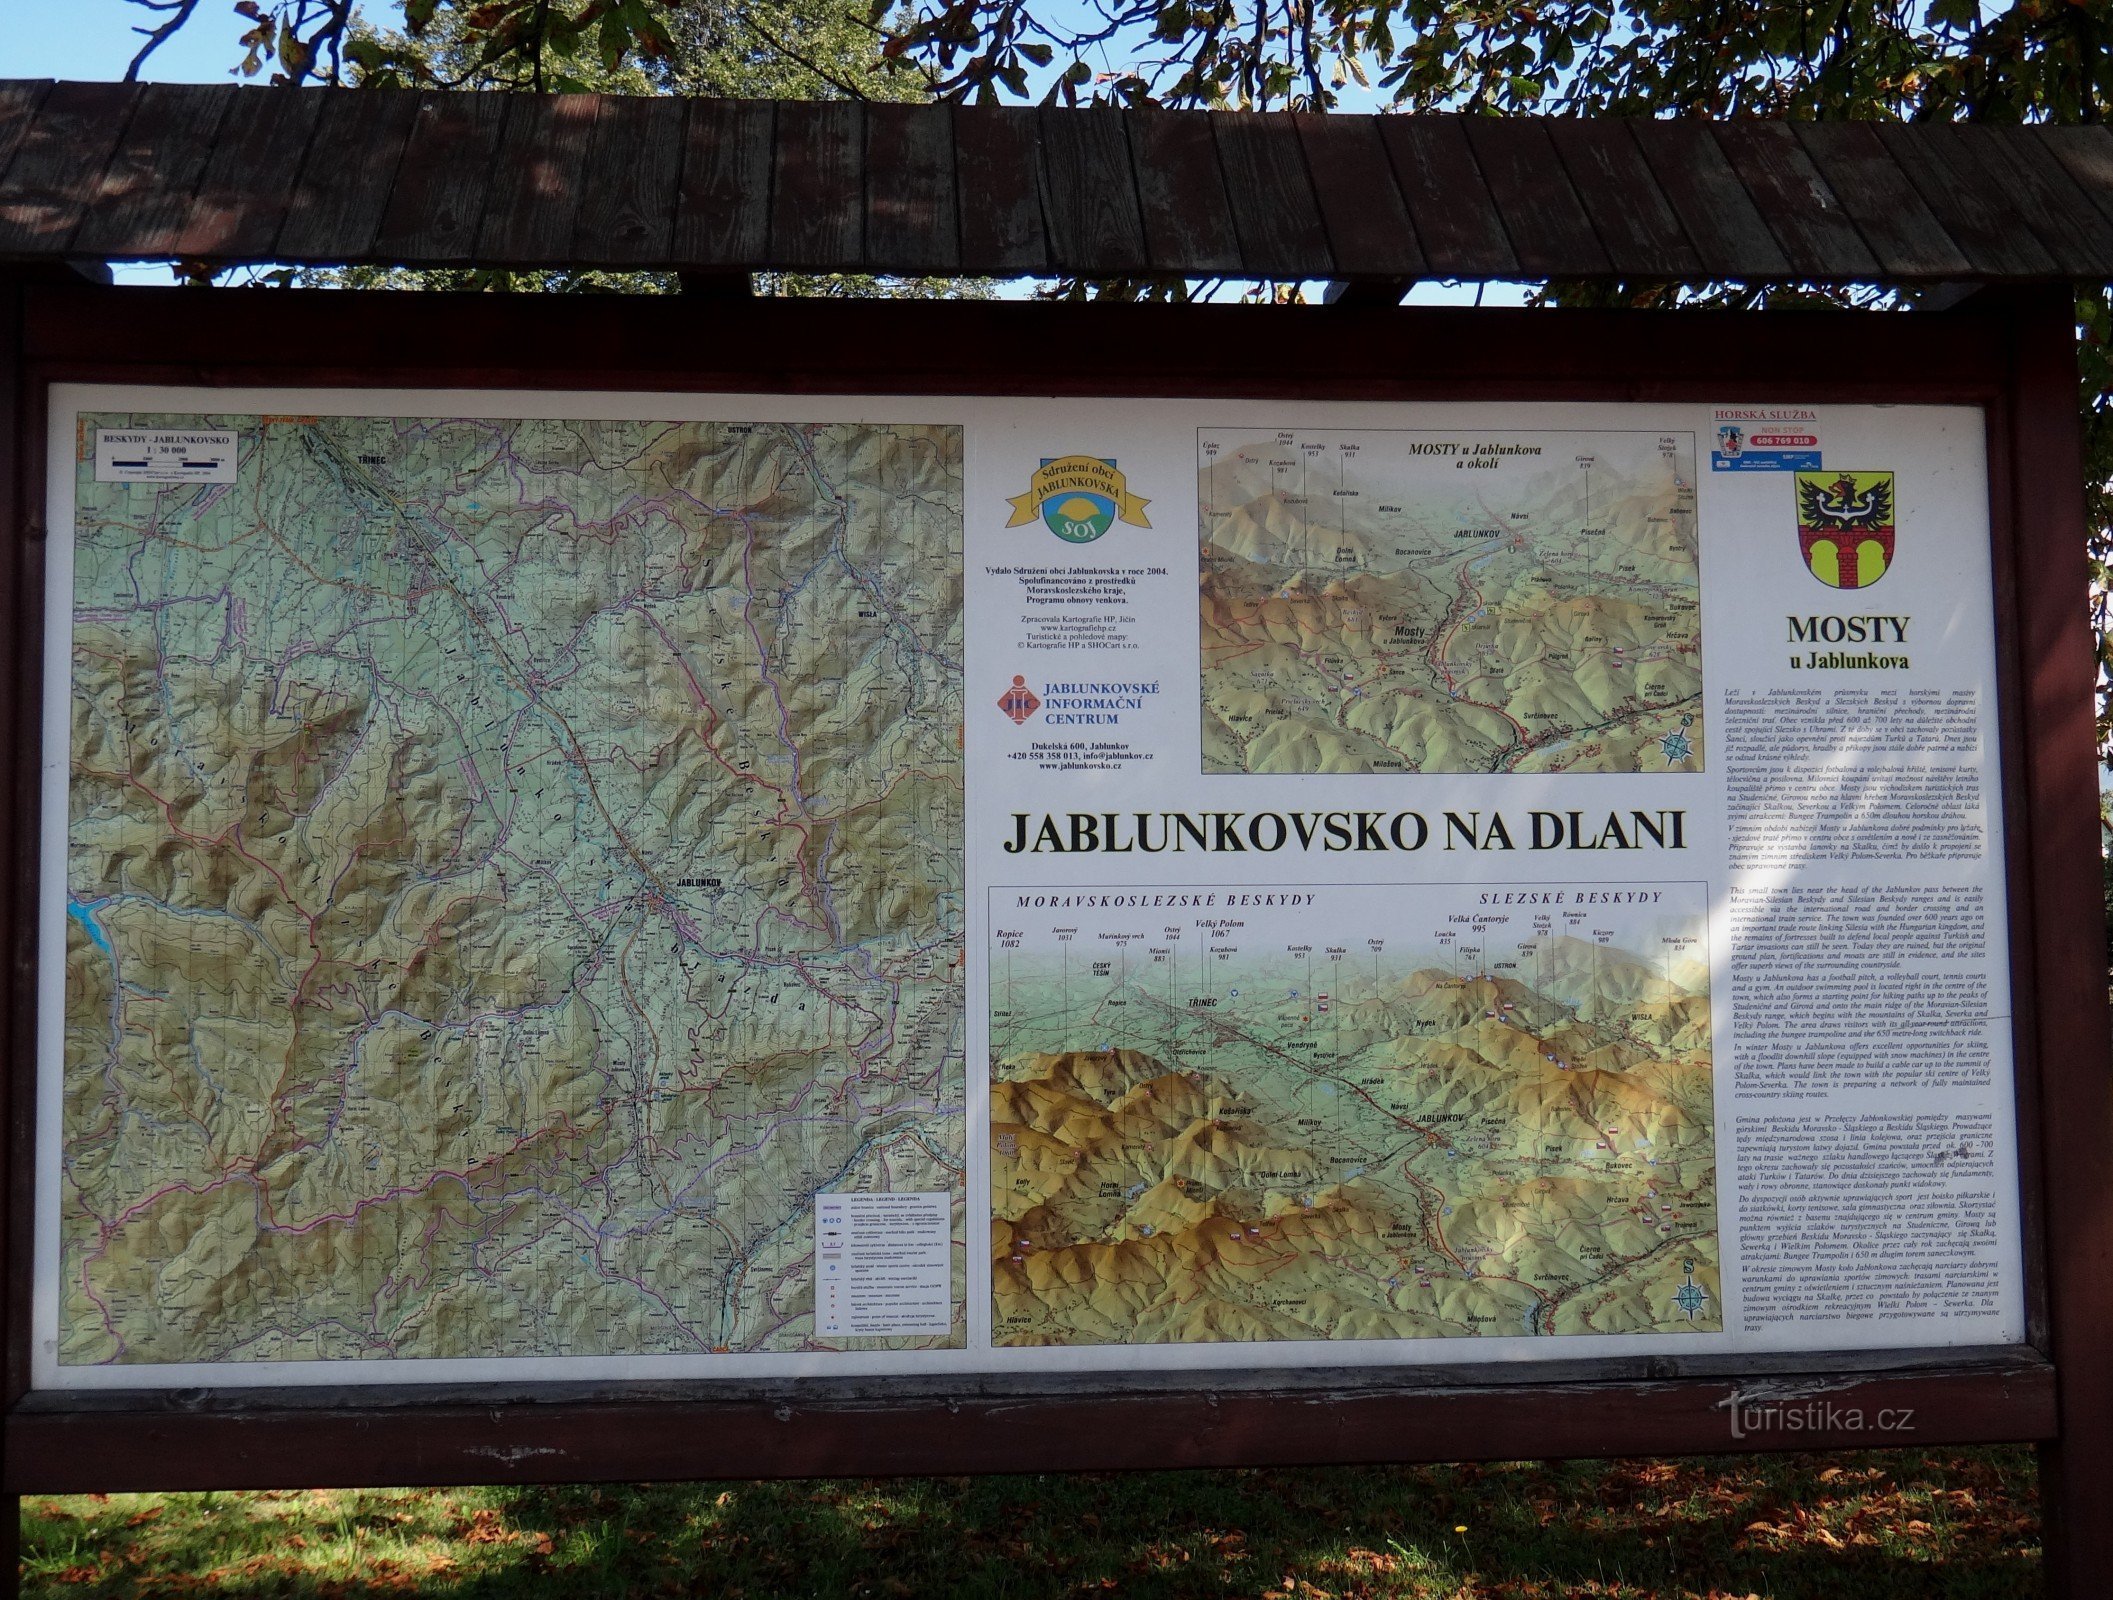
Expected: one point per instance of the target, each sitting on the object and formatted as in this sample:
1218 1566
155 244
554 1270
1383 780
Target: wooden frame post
2060 775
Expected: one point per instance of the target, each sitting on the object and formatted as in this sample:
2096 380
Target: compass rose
1690 1297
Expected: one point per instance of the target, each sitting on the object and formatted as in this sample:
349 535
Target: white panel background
1752 576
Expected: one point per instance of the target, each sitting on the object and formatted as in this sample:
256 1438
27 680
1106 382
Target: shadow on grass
1958 1525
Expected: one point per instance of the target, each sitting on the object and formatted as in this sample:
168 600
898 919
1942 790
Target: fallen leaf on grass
1160 1558
485 1526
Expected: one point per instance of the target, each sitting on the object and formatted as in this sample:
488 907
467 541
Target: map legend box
883 1265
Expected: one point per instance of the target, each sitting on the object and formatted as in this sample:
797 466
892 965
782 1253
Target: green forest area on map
1247 1129
1396 601
513 867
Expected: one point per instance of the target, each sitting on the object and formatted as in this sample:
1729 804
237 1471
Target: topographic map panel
1388 1113
1396 601
513 867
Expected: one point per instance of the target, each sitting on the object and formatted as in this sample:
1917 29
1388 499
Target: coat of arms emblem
1845 526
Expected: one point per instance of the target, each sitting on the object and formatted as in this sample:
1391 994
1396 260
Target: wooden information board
623 888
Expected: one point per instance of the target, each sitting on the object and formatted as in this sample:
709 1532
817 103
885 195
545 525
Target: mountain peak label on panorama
1845 526
1078 499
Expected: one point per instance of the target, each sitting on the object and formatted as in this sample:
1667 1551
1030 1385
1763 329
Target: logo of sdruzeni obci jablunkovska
1079 498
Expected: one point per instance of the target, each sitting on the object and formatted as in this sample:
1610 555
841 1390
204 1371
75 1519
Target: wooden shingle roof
224 174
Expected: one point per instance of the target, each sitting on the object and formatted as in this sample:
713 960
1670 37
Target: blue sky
92 39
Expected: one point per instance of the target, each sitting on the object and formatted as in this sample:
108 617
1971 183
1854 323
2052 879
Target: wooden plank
443 181
248 185
1274 209
1848 199
1713 206
824 1427
1096 228
337 204
1448 203
817 198
910 203
998 184
145 192
722 218
632 182
1632 217
1369 232
56 168
1908 241
2069 227
535 186
2086 154
951 348
1973 208
19 99
1810 223
1550 233
1188 219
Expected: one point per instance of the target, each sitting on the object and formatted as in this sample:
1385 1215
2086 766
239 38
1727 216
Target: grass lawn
1952 1523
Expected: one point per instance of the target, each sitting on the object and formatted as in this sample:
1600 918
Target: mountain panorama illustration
1421 1145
